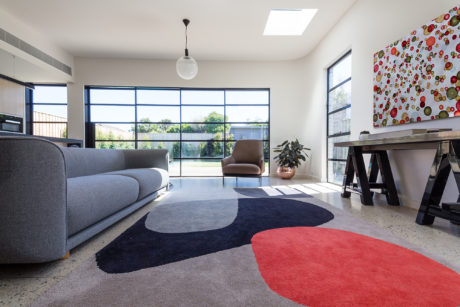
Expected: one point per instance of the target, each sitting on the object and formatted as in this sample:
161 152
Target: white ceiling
153 29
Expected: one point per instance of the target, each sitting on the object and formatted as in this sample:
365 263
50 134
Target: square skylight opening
289 22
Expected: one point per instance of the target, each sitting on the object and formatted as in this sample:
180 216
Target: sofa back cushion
90 161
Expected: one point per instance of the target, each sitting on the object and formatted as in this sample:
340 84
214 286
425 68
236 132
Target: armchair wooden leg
66 256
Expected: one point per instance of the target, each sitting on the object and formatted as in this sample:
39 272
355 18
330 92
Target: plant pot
285 172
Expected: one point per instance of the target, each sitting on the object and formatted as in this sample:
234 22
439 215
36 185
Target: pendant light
186 66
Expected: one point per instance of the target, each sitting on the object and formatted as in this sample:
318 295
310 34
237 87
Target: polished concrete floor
22 284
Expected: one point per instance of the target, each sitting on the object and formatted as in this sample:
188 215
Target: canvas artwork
417 78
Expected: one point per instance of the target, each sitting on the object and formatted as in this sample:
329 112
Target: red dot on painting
454 36
458 105
457 113
422 104
394 112
441 107
380 116
453 79
422 99
419 119
446 17
432 117
457 47
452 109
376 68
458 88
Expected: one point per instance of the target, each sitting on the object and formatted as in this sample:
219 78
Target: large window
198 126
338 116
47 110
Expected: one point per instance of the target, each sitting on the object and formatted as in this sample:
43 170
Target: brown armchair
247 160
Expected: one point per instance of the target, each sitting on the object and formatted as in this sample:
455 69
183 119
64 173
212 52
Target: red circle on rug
328 267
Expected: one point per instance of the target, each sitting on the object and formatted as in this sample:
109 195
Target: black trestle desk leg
361 175
348 176
387 178
454 159
439 173
373 169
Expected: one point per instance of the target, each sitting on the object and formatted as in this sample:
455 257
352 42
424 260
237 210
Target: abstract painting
417 78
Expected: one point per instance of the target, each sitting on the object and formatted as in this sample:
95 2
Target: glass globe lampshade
186 67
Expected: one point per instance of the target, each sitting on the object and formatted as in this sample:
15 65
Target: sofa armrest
262 165
147 158
227 160
33 201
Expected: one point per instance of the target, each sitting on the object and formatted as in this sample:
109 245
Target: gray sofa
54 198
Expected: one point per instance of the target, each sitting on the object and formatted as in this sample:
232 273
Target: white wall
283 78
366 28
22 65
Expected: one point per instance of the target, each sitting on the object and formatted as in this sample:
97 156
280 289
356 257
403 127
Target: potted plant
290 155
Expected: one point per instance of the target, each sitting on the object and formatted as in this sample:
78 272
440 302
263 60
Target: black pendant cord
186 22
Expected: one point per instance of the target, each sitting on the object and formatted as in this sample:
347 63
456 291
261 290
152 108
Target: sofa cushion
241 169
150 179
92 198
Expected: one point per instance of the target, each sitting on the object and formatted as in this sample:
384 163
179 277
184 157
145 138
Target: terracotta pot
285 172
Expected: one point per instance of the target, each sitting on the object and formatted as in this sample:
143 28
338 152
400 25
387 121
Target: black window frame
90 126
29 97
329 113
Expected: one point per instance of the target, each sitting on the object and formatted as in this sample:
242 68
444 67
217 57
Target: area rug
254 247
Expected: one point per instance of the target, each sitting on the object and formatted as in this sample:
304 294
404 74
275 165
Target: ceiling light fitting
186 66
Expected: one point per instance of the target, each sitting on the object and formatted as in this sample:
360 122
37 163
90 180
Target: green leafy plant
291 154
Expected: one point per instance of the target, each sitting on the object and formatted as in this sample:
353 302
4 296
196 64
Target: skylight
288 21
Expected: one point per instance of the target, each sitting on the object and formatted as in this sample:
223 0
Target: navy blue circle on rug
139 248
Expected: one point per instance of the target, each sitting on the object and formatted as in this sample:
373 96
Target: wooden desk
447 145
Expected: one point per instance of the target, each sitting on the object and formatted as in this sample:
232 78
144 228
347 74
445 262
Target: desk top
422 138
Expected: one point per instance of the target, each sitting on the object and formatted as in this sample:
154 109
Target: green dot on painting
443 114
427 111
452 93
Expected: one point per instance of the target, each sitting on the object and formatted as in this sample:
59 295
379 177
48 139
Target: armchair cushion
241 169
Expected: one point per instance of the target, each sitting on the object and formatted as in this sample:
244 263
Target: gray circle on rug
192 216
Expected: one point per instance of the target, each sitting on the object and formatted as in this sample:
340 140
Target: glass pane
46 113
50 130
174 168
202 97
158 97
50 94
340 122
109 132
112 114
335 171
202 114
246 97
337 152
198 132
340 71
158 132
158 114
114 145
247 114
201 168
340 97
172 147
209 149
112 96
247 131
267 150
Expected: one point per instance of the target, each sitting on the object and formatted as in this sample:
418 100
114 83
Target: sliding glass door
198 126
